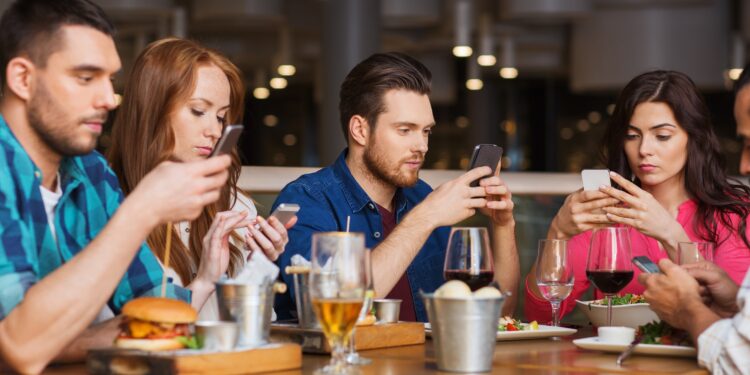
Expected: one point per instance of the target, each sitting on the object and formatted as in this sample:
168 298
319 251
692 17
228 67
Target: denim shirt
330 195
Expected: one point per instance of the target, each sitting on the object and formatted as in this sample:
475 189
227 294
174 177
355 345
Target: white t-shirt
210 310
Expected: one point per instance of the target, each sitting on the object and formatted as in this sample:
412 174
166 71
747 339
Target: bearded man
387 119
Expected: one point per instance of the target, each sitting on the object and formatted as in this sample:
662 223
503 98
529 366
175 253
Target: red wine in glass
610 282
473 280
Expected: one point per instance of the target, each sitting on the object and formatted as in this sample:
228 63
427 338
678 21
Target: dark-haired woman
674 188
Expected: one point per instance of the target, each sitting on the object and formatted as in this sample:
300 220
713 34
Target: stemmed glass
352 357
554 274
694 252
468 257
609 265
338 281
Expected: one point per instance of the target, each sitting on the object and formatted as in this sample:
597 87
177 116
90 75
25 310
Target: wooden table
511 357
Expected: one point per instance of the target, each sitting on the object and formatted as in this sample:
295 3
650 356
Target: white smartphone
595 178
284 212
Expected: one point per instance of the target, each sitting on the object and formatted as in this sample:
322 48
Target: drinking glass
352 357
694 252
338 282
609 265
468 257
554 274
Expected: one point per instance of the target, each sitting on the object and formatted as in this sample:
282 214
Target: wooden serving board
272 357
376 336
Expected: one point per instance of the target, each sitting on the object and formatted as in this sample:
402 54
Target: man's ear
359 130
19 77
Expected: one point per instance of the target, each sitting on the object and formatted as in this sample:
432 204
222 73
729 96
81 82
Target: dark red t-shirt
402 290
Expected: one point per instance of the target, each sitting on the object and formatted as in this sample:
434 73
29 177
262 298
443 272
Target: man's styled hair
363 88
30 27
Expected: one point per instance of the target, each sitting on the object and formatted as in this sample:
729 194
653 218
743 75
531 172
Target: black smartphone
645 264
485 154
228 140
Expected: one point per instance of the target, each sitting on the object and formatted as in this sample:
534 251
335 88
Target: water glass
694 252
554 274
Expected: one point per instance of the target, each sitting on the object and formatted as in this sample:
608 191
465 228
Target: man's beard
378 166
49 122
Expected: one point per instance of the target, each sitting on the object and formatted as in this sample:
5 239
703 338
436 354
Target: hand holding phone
228 140
284 212
645 264
485 155
593 179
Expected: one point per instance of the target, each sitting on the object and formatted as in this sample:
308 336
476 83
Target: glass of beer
338 283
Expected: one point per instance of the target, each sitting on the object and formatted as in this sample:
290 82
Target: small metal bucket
305 313
463 331
250 306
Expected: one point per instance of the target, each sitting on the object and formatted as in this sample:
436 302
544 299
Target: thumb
667 266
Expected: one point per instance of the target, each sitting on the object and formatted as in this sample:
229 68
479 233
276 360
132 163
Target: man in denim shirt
69 243
387 119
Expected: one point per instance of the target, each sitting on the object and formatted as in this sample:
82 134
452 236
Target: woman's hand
270 236
215 255
580 212
643 212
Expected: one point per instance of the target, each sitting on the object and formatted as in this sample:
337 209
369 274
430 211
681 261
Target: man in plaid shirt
700 298
69 243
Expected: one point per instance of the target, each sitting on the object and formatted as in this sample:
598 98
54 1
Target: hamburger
152 323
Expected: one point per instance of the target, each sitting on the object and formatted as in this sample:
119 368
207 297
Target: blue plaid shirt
90 197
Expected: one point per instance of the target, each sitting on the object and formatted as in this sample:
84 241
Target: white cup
616 335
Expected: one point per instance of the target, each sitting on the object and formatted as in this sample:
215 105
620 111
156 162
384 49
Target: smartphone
228 140
485 154
594 178
645 264
284 212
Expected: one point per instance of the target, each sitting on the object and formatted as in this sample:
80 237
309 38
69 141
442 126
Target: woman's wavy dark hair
718 197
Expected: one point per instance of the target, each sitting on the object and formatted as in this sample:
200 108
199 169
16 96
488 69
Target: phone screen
645 264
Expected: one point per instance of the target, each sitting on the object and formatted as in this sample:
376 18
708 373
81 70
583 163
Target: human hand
674 295
643 212
215 254
500 205
270 237
454 200
717 290
179 191
580 212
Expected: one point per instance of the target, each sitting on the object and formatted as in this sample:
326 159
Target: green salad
627 299
661 333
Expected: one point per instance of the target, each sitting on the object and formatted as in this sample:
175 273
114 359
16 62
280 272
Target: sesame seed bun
160 310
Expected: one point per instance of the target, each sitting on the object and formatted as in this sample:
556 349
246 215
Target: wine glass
352 357
694 252
554 274
338 282
609 265
468 257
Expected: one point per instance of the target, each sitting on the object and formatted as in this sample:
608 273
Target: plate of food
629 310
514 329
657 338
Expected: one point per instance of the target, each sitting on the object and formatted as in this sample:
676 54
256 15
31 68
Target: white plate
542 332
592 343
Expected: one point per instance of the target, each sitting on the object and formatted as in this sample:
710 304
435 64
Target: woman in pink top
660 137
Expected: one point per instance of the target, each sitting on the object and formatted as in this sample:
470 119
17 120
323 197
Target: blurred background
538 77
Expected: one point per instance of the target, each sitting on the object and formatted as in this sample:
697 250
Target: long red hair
163 78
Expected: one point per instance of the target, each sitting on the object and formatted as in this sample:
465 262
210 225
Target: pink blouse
732 255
